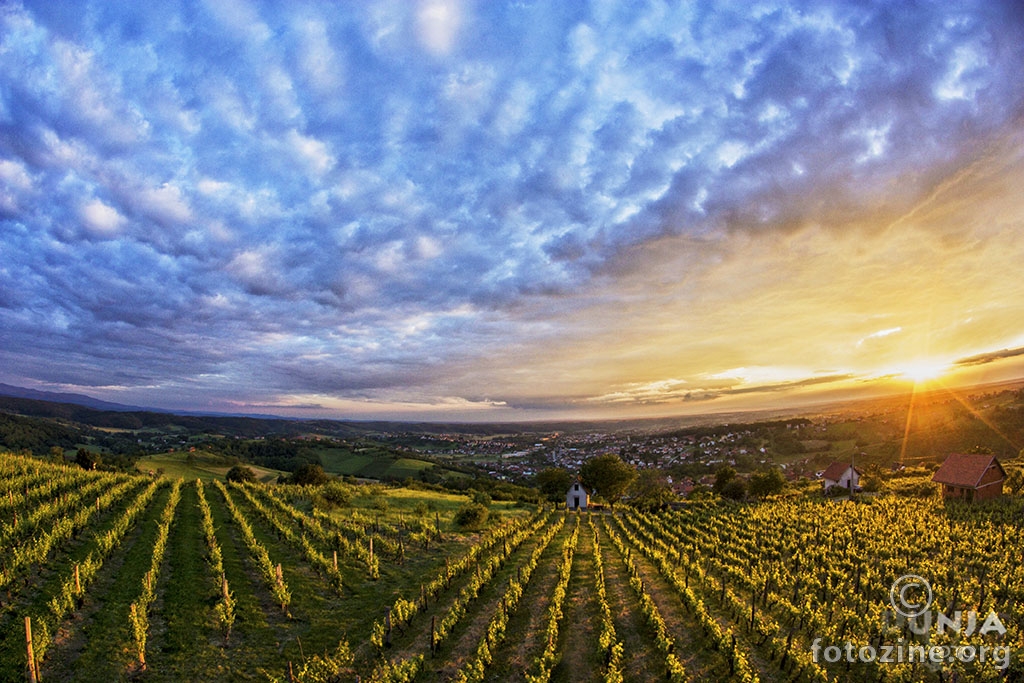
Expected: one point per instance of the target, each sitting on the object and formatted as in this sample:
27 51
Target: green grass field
201 465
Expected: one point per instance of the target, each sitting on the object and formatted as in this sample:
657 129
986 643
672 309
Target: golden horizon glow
924 370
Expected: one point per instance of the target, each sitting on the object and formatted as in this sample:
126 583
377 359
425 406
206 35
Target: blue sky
501 210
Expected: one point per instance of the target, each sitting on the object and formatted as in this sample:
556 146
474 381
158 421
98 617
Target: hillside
157 579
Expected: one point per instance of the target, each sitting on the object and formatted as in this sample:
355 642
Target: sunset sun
923 370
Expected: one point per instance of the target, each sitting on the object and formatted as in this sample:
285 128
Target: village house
577 497
971 477
841 474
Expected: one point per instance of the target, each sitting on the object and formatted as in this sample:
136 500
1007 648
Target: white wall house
577 497
841 474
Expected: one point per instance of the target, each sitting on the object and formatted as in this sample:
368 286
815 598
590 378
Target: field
160 579
371 462
198 465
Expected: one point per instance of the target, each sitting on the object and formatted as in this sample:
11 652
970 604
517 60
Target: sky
459 210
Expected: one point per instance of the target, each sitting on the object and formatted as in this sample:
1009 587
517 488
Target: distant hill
58 397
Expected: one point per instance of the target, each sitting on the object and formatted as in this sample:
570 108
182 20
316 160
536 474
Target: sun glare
923 370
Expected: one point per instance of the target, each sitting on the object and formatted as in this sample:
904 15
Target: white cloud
315 154
319 61
439 23
13 174
101 219
879 334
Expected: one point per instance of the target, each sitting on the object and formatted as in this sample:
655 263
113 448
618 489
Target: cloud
438 23
451 196
101 219
990 357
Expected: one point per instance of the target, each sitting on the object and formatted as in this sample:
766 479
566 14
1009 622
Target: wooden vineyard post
371 551
387 626
437 524
433 635
33 670
280 582
135 623
335 560
78 583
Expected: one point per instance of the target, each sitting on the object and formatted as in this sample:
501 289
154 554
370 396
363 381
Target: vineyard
109 577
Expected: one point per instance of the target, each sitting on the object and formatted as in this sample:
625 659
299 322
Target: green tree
767 483
553 482
481 497
310 474
723 476
86 459
1015 481
651 490
735 489
240 473
608 476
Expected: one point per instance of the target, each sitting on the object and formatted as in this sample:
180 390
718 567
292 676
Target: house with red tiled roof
841 474
971 477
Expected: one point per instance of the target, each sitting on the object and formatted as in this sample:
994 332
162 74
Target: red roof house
971 476
841 474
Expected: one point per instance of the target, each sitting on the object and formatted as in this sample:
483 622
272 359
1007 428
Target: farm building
971 477
577 497
841 474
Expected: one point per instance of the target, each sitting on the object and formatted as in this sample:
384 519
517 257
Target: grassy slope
205 466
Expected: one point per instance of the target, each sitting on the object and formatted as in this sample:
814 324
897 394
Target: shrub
471 515
337 495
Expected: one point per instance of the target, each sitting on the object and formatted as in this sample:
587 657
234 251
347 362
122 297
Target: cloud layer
468 208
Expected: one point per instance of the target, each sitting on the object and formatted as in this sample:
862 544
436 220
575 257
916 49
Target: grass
370 463
107 652
198 465
185 643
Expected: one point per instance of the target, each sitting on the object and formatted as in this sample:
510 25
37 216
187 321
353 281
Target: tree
553 482
872 483
86 459
767 483
310 474
481 497
735 489
1015 481
651 490
608 476
723 476
240 473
